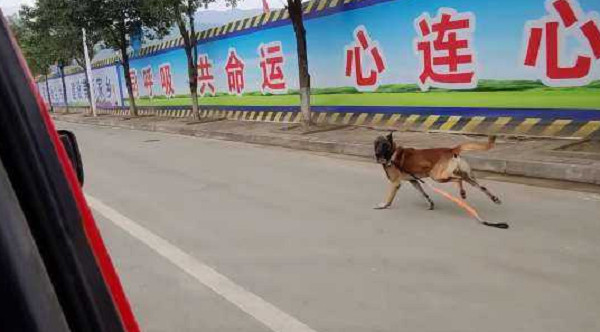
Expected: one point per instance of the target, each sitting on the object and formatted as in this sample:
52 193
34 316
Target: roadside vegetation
489 93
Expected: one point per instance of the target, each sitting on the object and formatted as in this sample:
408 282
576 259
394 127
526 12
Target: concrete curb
536 169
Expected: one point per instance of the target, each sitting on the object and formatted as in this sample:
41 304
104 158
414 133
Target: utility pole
88 69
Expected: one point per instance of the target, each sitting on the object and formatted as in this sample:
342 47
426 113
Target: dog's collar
390 162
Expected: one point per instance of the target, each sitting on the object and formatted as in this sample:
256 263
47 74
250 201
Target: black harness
399 165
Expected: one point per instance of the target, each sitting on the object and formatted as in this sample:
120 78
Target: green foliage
507 85
36 40
397 88
29 46
482 86
256 93
50 32
117 20
53 27
78 15
328 91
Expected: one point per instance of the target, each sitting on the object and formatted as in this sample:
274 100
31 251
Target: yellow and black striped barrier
507 125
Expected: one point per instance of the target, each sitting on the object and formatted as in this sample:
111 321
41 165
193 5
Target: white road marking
250 303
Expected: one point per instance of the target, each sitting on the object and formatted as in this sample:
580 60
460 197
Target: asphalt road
297 231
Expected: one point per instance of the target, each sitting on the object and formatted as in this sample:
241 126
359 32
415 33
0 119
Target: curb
535 169
554 124
538 169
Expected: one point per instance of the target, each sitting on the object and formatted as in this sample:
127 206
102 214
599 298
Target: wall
106 88
496 66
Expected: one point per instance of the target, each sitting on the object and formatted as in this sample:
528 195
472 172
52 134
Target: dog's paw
381 206
431 207
463 194
496 200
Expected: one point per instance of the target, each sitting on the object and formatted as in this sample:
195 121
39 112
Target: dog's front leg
419 188
394 186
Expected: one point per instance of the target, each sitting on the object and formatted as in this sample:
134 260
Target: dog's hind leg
463 170
394 186
419 188
470 179
463 192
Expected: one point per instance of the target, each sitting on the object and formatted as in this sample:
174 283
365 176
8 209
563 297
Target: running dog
441 165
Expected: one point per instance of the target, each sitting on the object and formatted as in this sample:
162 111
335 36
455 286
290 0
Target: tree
75 16
78 18
33 47
28 41
117 21
295 11
57 25
182 13
41 44
50 18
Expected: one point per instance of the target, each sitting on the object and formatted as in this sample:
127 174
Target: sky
10 7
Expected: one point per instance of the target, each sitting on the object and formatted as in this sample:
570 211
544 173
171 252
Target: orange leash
465 206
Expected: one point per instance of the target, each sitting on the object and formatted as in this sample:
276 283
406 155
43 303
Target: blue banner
395 53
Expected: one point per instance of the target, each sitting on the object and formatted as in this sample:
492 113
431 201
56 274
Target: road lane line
263 311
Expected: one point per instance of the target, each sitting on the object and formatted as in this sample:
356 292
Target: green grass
482 86
587 98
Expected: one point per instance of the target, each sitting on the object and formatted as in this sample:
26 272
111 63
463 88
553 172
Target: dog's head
384 149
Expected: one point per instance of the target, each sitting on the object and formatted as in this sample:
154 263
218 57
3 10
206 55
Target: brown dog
441 165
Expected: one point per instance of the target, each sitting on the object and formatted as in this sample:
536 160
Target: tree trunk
193 78
295 11
189 45
48 94
195 109
62 78
132 107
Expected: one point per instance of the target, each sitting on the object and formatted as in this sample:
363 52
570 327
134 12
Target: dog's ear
390 137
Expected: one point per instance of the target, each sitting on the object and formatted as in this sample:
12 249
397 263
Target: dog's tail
472 146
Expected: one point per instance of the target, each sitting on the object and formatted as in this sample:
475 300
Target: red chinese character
445 43
565 19
354 63
165 79
148 81
271 62
205 78
235 73
134 82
